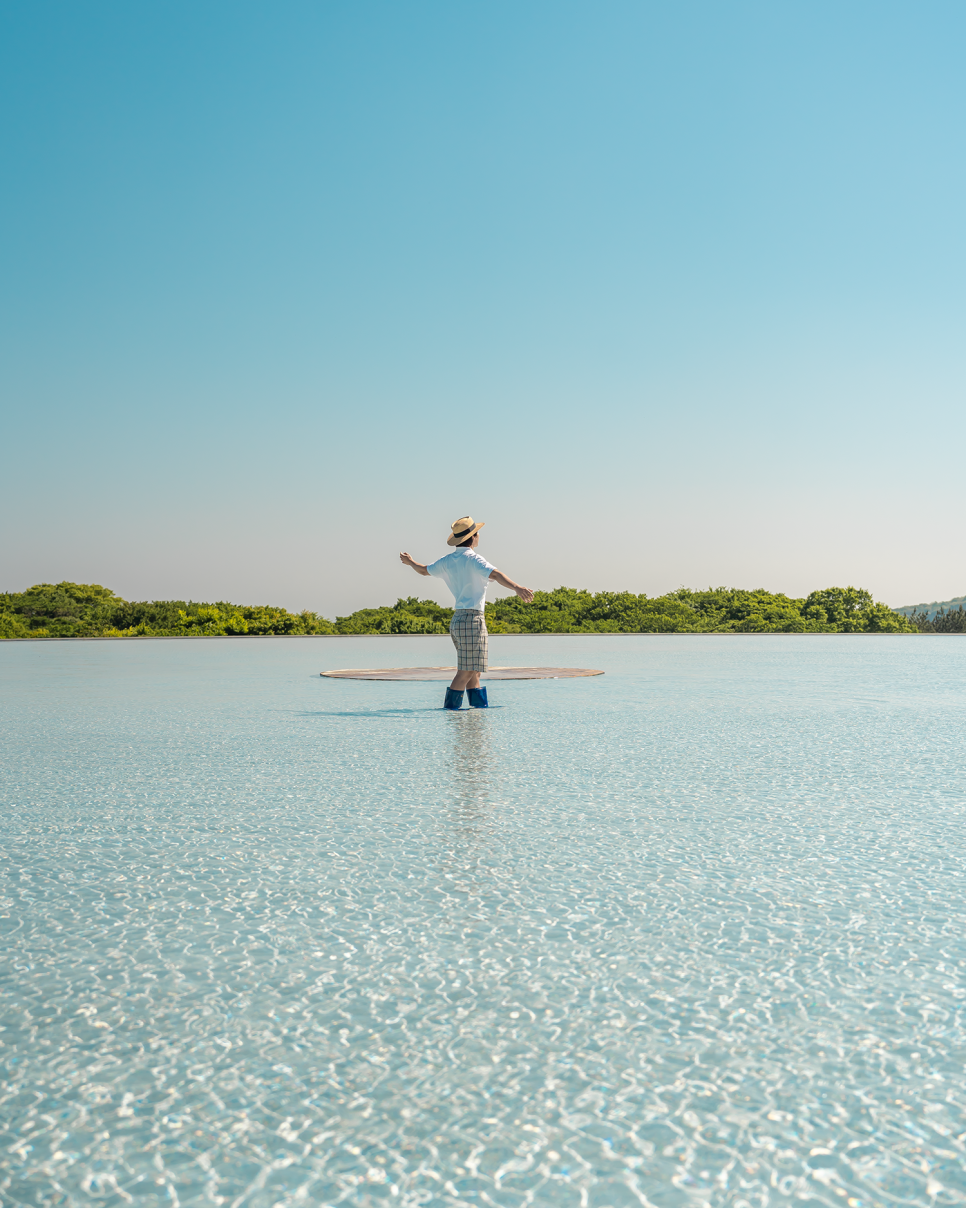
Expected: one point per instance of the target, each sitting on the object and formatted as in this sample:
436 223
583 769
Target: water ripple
689 933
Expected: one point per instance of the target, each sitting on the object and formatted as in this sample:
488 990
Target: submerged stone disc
447 673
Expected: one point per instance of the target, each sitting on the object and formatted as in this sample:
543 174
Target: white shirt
466 574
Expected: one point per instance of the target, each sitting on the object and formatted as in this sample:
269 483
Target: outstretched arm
525 594
418 567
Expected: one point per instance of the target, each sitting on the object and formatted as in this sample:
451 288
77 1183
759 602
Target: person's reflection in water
472 773
466 825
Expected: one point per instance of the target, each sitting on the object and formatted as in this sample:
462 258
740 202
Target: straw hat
463 530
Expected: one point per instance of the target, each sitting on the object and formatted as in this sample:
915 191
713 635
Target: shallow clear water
691 932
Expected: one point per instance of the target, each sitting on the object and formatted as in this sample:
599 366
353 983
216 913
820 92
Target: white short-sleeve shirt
466 574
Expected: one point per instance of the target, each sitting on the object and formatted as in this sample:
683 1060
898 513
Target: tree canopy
945 620
717 610
89 610
81 610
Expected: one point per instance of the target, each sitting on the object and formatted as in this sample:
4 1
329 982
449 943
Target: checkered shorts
468 631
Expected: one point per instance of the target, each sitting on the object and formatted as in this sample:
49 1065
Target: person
467 574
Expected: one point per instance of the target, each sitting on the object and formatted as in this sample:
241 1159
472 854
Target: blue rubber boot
477 698
454 699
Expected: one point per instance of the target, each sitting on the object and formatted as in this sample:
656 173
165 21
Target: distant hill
931 609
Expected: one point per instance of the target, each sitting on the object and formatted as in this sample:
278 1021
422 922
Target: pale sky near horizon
666 294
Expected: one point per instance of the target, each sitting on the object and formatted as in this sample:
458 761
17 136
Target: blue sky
666 294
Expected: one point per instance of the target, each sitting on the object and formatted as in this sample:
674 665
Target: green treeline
81 610
88 610
943 620
717 610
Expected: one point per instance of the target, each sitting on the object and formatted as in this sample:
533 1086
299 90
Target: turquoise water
691 932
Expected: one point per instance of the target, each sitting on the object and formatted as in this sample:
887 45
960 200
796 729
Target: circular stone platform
447 673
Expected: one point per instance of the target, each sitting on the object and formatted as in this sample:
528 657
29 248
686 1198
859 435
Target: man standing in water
467 574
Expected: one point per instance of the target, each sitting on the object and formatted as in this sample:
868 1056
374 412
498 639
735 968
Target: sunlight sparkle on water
690 932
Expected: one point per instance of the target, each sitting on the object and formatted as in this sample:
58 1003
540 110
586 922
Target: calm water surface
688 933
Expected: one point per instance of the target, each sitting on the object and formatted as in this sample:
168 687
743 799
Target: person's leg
476 694
454 693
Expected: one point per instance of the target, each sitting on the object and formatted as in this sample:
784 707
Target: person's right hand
525 594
